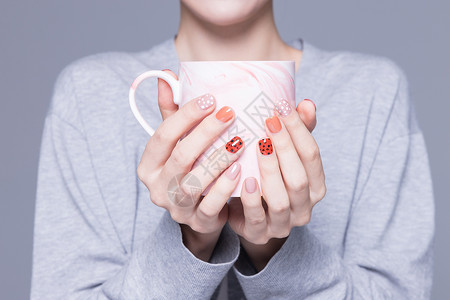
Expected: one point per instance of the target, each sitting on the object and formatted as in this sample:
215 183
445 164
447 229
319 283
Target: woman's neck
254 39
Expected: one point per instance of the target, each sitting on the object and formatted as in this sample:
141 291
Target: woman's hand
292 182
166 168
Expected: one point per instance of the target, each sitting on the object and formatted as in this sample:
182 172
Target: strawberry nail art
265 146
234 144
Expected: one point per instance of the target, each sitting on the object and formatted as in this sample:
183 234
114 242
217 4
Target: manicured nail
273 123
234 144
250 185
265 146
206 101
315 109
224 114
233 170
283 107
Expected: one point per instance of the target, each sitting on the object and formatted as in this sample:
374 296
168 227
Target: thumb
165 97
307 112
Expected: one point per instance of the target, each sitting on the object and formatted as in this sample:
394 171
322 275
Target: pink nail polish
283 107
315 109
205 101
250 185
233 170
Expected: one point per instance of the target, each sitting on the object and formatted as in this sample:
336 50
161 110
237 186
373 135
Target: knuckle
156 199
189 113
297 186
177 216
162 135
190 186
312 153
303 219
322 192
221 188
279 233
180 157
283 145
141 172
257 220
261 241
283 233
306 219
319 194
207 211
293 122
198 227
184 188
280 208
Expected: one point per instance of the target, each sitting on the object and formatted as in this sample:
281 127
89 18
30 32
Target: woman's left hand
292 182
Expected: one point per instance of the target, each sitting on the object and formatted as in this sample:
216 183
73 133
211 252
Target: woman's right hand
166 169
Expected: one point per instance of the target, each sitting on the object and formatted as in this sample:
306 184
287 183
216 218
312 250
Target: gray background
39 38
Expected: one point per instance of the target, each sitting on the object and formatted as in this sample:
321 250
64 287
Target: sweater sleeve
77 254
388 244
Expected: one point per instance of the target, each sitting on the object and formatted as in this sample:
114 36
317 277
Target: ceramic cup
250 88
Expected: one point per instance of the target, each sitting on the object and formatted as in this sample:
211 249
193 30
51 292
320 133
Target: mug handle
173 83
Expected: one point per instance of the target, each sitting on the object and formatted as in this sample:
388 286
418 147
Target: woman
370 235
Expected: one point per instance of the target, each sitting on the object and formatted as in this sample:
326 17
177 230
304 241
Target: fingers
165 96
212 210
273 189
166 136
291 167
255 225
306 147
306 109
202 136
211 167
213 203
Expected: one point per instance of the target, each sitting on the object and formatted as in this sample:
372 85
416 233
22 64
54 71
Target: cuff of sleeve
171 268
286 271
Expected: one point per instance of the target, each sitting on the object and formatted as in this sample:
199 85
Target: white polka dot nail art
205 101
283 107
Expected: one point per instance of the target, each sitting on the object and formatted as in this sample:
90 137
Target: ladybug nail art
234 144
265 146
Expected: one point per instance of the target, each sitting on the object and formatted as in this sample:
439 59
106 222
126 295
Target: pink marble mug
251 88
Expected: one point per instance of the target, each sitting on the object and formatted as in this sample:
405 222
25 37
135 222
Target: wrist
200 244
261 254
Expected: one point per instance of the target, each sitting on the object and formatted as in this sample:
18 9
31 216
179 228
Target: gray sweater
98 236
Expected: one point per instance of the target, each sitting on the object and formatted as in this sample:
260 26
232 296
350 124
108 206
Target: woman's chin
224 13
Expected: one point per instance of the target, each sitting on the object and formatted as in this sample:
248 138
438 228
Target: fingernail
206 101
315 109
234 144
233 170
265 146
250 185
273 123
224 114
283 107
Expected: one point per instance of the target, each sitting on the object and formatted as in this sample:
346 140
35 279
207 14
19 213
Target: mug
250 88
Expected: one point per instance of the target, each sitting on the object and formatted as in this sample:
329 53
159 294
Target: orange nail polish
273 123
265 146
224 114
234 144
